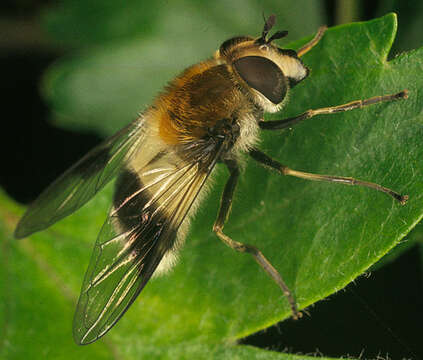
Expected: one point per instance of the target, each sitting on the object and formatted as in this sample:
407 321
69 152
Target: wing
150 203
83 180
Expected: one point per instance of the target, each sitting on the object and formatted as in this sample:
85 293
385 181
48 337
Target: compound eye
264 76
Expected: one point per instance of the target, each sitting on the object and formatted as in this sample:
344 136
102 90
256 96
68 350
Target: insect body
213 112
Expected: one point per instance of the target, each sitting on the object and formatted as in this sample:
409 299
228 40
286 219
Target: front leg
266 160
357 104
224 210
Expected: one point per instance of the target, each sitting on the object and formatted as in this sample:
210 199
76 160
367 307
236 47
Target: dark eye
264 76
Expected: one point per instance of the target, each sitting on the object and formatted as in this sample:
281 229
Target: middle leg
285 170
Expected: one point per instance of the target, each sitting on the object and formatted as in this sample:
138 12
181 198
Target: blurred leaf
319 236
80 24
110 82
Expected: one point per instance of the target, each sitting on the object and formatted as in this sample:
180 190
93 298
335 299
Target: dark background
366 323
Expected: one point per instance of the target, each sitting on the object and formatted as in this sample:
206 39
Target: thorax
207 100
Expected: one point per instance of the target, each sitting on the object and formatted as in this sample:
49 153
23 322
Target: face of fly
266 71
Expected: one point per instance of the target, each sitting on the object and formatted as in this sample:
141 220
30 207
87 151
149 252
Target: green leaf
413 239
410 15
38 290
36 301
319 236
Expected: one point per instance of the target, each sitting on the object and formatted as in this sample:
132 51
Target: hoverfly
211 113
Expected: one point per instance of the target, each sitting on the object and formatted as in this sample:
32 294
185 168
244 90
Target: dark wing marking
82 181
149 206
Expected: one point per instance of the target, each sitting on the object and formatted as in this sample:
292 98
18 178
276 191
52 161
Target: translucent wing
82 181
150 203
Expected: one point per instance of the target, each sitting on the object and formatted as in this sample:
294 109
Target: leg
307 47
282 124
225 208
284 170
